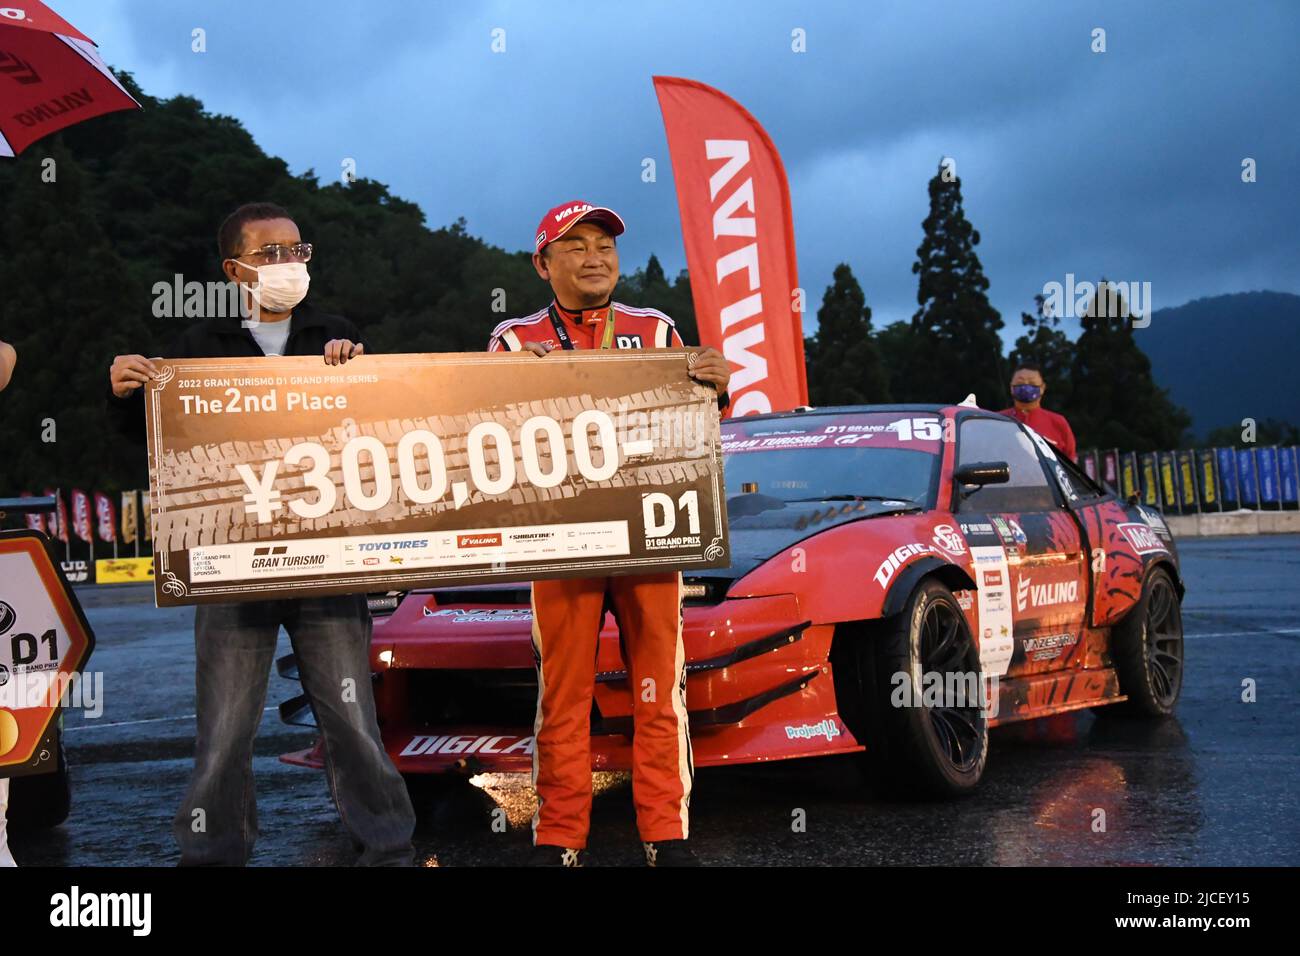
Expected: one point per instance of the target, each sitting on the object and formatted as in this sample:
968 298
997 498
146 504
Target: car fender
953 576
834 574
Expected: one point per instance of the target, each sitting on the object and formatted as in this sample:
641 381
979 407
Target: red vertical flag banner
739 238
59 516
81 515
106 518
35 520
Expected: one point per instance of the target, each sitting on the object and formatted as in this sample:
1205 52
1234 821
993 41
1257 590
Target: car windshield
886 456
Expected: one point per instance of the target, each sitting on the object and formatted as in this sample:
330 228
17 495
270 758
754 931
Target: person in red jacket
1027 389
576 253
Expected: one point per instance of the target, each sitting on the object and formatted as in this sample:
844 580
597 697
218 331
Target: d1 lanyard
561 333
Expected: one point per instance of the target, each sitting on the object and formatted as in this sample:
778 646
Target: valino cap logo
565 216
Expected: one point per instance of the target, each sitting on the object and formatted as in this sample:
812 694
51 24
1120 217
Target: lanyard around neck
562 333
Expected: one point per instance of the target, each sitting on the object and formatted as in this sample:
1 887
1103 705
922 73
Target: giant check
286 477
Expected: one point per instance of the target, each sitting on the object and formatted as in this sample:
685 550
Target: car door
1121 540
1027 550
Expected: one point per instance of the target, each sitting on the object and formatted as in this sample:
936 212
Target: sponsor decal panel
243 562
994 609
1009 530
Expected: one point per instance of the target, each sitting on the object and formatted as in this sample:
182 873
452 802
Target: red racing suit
567 619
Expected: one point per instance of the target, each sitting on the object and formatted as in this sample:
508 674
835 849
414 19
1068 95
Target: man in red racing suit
575 252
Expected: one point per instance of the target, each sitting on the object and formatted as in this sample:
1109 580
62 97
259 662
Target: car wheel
916 746
1147 649
41 801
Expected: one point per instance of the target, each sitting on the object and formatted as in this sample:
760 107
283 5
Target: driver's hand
712 368
539 348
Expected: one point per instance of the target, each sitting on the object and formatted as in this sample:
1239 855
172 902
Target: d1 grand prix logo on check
284 477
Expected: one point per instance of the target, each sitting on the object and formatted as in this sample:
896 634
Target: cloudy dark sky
1125 163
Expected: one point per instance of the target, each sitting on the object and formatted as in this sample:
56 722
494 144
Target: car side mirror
983 473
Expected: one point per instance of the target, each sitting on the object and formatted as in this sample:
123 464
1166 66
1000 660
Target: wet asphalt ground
1216 785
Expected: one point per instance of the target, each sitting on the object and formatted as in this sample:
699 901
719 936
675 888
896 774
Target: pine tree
844 363
1115 403
897 343
958 349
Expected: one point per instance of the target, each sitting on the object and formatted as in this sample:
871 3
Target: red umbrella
51 76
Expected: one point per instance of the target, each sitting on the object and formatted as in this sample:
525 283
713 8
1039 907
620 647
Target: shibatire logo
77 909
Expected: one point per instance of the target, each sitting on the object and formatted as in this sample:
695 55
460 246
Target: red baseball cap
568 214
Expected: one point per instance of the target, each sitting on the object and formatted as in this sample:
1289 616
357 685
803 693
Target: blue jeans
234 646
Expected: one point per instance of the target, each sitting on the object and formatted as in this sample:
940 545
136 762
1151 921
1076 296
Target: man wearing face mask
1027 389
262 250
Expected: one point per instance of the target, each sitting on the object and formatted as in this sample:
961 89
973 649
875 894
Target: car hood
761 527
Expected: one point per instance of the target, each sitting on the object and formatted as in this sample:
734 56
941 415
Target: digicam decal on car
425 745
895 559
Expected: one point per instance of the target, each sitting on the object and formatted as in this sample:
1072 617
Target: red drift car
904 578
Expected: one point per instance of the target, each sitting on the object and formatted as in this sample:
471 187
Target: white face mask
279 287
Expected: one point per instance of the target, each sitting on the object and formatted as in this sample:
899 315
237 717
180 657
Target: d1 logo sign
44 640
